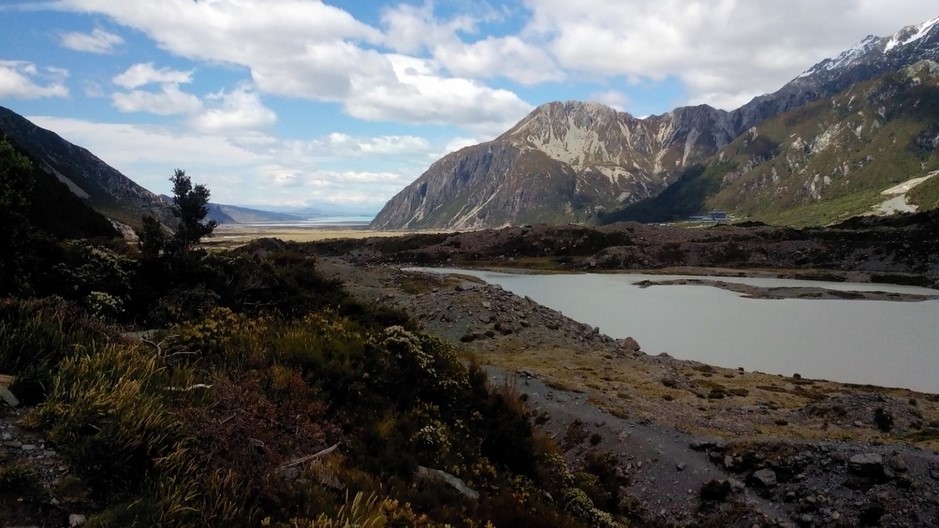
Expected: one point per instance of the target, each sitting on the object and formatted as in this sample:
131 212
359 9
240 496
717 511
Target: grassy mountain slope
821 163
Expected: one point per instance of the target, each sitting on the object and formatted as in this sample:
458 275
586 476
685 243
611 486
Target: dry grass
778 403
233 235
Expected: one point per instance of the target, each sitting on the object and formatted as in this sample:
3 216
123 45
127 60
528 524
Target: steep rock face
564 162
103 187
492 184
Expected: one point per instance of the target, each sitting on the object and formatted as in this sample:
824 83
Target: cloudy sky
343 103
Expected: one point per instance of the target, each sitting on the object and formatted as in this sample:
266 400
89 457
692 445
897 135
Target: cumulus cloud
612 98
169 100
422 95
338 144
24 80
724 51
411 29
255 169
145 73
98 41
306 49
238 110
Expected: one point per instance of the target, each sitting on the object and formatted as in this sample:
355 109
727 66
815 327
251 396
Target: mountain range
791 150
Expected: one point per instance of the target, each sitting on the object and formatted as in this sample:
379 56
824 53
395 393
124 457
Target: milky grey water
884 343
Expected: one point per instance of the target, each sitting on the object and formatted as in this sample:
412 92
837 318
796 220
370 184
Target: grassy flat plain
233 235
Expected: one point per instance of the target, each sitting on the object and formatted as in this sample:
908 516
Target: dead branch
304 459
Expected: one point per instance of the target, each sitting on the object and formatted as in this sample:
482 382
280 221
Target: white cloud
612 98
255 169
424 96
310 50
457 143
144 73
338 144
238 110
509 57
98 41
24 80
168 101
723 51
412 29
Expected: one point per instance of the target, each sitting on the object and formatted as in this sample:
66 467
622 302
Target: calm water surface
884 343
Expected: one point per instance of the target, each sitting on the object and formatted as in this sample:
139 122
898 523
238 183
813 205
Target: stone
6 436
630 344
8 397
765 477
76 519
728 461
898 463
28 447
867 465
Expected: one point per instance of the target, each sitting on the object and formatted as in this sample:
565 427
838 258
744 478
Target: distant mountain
232 214
579 162
100 185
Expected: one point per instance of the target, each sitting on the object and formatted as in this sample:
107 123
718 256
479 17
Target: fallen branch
189 388
159 350
303 460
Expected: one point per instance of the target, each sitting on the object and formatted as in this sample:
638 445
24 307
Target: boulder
629 344
764 477
867 465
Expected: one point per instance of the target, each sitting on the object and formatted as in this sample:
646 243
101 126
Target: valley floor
778 449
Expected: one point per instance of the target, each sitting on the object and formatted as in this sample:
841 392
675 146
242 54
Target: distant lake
318 221
887 343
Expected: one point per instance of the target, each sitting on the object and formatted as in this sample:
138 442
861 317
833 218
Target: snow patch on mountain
910 34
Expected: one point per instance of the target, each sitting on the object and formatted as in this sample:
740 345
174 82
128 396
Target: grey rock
76 519
867 464
765 477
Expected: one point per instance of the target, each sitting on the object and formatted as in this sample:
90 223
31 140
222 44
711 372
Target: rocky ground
695 444
34 480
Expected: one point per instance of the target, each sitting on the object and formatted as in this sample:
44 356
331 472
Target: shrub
36 335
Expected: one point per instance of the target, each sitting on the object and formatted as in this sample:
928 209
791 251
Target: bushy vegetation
267 397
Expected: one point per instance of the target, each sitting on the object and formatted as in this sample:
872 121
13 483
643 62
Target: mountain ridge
618 159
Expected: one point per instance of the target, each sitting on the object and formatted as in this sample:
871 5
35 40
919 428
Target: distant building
718 215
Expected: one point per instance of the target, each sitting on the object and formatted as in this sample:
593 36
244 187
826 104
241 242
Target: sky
338 105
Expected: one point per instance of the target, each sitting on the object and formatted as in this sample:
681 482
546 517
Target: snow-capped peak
910 34
846 58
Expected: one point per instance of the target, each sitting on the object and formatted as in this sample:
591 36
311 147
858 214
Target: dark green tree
152 240
15 186
190 206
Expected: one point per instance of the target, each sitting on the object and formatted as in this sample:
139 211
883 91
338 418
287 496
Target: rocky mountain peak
911 34
577 133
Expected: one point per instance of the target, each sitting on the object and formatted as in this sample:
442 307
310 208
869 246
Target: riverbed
886 343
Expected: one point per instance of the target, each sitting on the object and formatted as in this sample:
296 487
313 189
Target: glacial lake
886 343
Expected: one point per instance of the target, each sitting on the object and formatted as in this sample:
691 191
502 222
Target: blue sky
276 103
